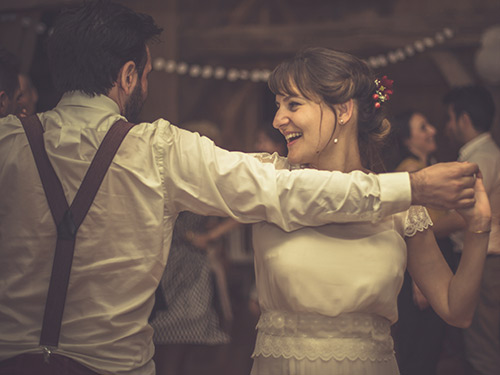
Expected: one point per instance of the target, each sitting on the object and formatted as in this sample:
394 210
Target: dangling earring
336 140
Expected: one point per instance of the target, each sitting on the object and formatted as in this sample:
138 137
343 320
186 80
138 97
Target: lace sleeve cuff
417 219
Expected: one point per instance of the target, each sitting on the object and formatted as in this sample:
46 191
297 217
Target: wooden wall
258 34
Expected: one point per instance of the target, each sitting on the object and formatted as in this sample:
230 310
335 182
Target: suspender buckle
47 351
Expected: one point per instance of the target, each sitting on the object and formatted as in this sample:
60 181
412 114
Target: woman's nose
279 119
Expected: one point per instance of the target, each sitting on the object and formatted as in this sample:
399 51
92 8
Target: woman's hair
91 42
401 132
333 77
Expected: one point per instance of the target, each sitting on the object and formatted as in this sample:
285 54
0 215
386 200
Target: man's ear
345 111
4 104
466 120
128 77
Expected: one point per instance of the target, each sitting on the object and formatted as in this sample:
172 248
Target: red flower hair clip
383 91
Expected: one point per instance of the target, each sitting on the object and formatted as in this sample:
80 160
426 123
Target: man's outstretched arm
213 181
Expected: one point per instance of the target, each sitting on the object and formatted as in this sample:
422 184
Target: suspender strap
67 219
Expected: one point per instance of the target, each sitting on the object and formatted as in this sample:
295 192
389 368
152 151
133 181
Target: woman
416 141
419 332
328 295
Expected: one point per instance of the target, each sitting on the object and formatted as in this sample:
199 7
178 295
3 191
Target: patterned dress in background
189 313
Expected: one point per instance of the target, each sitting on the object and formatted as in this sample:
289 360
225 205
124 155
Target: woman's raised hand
478 217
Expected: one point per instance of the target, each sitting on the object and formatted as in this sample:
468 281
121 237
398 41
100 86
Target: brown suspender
67 218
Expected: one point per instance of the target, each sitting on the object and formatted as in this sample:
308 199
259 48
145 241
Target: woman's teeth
292 136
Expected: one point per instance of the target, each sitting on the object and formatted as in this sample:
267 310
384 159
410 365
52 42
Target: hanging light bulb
487 60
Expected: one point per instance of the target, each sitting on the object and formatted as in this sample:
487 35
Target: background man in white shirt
100 60
471 111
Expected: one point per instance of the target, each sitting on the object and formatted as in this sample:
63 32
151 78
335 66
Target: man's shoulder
159 127
487 151
10 121
10 125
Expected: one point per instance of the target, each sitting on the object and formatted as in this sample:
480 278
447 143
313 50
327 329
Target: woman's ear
345 111
128 77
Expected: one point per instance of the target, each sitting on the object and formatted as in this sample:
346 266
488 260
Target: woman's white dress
328 295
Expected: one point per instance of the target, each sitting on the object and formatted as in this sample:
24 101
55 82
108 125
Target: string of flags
262 75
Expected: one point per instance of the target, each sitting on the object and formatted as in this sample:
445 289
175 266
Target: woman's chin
293 159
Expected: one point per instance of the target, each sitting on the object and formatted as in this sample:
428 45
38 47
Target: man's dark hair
91 42
9 72
476 101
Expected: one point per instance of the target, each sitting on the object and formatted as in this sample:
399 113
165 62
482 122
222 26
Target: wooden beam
378 35
16 5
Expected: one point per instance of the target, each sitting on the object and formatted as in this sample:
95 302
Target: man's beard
134 105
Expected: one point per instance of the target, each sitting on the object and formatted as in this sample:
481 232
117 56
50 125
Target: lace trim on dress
279 162
417 219
313 336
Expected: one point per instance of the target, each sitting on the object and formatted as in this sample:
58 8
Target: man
9 83
100 60
471 111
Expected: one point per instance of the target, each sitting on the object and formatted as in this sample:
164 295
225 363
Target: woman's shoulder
410 164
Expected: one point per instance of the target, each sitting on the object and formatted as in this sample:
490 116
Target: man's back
115 268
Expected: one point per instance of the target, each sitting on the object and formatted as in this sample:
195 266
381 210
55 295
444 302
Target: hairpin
384 89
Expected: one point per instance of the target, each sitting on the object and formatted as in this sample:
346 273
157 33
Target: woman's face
307 127
422 135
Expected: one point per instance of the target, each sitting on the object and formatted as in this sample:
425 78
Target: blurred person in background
270 140
470 113
10 93
419 332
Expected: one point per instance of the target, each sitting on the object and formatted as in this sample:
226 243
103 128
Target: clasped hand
478 217
445 185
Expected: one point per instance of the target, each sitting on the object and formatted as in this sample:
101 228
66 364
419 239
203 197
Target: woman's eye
293 105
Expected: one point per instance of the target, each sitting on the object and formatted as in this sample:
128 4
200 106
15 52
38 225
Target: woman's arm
447 224
453 297
201 240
